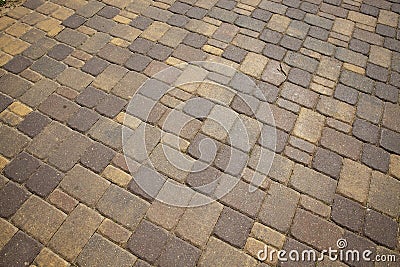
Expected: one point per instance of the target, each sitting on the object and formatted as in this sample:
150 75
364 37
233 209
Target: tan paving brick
48 258
278 23
354 180
219 253
309 125
268 235
39 219
380 56
384 194
155 31
88 190
7 231
337 109
196 224
388 18
254 64
343 26
113 231
116 176
74 233
395 166
164 214
362 18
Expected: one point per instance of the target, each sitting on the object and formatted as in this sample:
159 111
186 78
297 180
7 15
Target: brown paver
327 70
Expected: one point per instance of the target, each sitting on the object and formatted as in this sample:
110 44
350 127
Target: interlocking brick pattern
328 69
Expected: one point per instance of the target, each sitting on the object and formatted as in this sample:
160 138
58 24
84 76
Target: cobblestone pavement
329 69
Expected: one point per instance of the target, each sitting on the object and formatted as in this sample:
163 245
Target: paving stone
230 160
293 245
359 243
390 141
164 215
375 157
279 207
381 229
13 85
95 66
386 92
342 144
5 101
337 109
97 157
71 37
299 77
39 92
202 180
177 20
234 53
12 196
88 190
218 253
125 32
309 125
203 219
21 167
324 233
383 194
249 23
38 219
348 213
21 250
7 232
48 258
327 162
114 232
17 64
346 94
377 73
63 201
74 79
109 77
137 62
58 107
48 67
75 232
74 21
233 227
124 207
359 46
179 252
100 251
48 140
11 136
298 94
365 131
114 54
301 61
83 119
90 97
222 15
242 199
110 106
306 180
95 42
108 12
148 241
389 117
141 22
356 81
100 24
44 180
